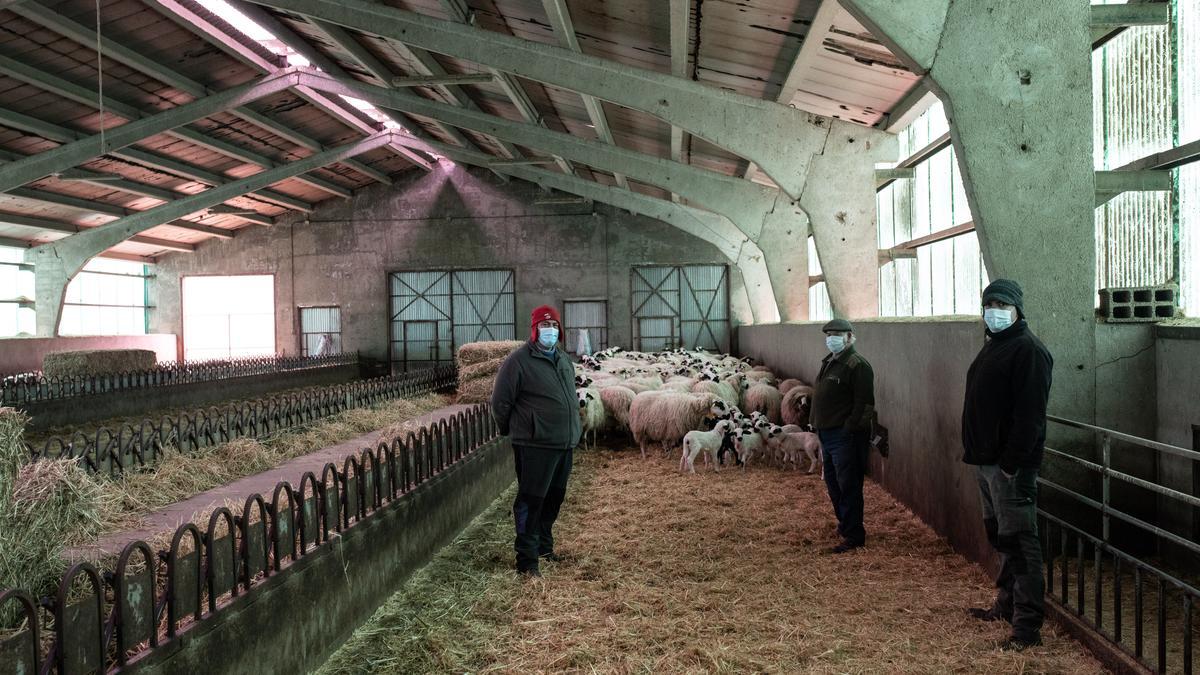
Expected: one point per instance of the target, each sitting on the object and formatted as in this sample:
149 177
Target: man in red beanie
534 404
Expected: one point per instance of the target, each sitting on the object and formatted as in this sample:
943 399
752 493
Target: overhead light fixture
435 80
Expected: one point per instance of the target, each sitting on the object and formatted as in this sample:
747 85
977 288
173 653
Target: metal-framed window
16 294
320 330
585 326
108 297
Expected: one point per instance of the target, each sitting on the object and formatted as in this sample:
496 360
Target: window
586 326
225 317
16 294
108 297
928 216
1146 100
320 331
819 306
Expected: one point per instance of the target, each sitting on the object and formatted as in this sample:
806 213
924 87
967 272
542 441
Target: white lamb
749 444
793 445
708 442
591 414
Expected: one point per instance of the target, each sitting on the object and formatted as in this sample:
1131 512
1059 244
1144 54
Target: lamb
591 414
763 398
796 405
708 442
748 443
666 416
617 400
792 445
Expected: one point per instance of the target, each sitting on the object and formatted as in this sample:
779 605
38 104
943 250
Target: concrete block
1134 304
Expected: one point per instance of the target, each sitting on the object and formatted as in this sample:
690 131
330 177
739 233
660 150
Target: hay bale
484 369
478 390
478 352
97 362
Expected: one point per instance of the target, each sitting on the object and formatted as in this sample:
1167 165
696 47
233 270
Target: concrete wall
22 355
450 217
1178 369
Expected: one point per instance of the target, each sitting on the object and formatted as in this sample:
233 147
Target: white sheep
666 416
591 414
793 445
617 400
749 444
724 390
763 398
708 442
787 385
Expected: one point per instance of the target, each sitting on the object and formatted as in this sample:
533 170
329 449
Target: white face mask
547 337
997 319
835 343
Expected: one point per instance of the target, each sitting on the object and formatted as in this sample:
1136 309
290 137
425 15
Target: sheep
643 384
708 442
760 376
763 398
583 381
679 383
722 389
666 416
591 414
748 443
792 445
617 400
787 385
796 405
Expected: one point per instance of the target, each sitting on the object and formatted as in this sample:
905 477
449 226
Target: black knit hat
1006 291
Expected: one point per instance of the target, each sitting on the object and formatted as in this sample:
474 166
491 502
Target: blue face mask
547 338
997 319
835 343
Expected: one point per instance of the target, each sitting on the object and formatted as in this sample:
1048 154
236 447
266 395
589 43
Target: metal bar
1118 604
1079 576
1106 480
1167 159
1049 562
1097 587
1137 612
1162 626
935 237
1064 585
1140 482
1121 515
934 147
1153 445
1144 14
1188 637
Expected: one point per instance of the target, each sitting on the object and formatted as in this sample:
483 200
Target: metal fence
1092 570
133 446
26 388
150 598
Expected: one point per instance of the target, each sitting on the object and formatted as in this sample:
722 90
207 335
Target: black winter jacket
845 393
534 399
1004 411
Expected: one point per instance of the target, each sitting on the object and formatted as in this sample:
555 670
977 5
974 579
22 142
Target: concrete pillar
839 197
1015 77
54 267
783 241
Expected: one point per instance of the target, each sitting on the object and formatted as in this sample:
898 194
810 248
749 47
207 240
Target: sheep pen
728 575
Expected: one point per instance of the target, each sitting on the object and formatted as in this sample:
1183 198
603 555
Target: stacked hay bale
44 506
478 363
86 363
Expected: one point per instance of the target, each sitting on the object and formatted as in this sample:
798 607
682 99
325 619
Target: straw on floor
704 573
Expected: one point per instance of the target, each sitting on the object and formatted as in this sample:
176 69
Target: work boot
845 547
529 573
1016 644
553 557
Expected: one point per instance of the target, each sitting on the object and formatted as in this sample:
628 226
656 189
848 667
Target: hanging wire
100 78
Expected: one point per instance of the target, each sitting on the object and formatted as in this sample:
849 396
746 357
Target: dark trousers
844 456
1010 518
541 486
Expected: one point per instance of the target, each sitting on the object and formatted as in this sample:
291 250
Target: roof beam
72 154
560 19
119 52
44 225
680 15
765 132
107 209
143 158
1136 14
1109 184
430 81
59 261
218 36
721 193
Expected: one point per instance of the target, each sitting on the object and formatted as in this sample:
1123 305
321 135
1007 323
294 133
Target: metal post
1107 467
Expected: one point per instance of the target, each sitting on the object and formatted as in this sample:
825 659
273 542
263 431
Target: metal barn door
422 314
435 311
680 306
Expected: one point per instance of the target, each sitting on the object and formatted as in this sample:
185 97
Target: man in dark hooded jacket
534 403
1004 431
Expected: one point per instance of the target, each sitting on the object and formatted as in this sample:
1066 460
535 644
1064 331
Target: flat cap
838 325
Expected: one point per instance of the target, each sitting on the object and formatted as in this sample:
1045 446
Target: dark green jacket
844 393
534 399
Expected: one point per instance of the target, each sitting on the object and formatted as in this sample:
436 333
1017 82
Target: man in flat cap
842 411
1003 432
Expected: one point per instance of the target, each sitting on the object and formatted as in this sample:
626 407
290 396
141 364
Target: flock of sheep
706 404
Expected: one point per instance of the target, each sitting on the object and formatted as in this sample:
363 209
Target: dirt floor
707 573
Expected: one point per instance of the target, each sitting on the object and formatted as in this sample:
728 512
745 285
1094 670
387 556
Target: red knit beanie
543 313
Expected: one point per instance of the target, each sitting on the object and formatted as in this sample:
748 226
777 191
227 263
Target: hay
708 573
482 369
476 391
97 362
478 352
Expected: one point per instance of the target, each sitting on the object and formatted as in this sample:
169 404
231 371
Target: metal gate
680 306
434 311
